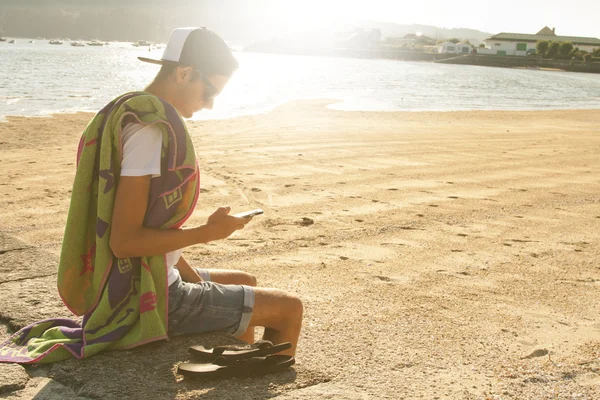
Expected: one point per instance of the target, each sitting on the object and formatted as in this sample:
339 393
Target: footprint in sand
288 185
453 197
392 189
383 278
536 353
359 220
432 205
456 251
420 215
519 216
462 234
255 190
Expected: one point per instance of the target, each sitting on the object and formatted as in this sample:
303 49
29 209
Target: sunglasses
210 91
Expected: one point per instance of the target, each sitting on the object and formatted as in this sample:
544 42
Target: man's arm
129 238
188 274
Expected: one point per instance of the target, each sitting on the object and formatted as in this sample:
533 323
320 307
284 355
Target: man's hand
222 225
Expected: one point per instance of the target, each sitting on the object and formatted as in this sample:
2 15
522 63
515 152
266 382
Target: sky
570 18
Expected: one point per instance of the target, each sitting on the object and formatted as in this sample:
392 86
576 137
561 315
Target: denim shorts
209 307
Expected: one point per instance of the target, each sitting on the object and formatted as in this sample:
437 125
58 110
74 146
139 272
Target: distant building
520 44
446 47
463 48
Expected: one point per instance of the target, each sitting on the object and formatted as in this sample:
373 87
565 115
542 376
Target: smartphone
250 213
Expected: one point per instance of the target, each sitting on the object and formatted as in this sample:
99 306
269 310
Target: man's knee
277 309
293 310
245 278
297 308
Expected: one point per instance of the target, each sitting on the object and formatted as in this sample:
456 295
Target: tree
564 49
542 47
553 49
454 40
596 53
482 46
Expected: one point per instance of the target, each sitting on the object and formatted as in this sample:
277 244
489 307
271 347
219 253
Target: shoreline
326 103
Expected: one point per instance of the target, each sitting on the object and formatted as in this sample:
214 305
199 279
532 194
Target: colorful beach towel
124 302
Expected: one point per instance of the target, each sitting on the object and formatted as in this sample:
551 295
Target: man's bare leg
279 312
281 315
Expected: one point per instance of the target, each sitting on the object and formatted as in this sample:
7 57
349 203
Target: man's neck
159 91
163 92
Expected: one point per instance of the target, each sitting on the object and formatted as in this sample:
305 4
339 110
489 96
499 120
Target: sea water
39 79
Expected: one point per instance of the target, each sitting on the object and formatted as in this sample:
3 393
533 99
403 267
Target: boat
142 43
55 42
2 39
95 43
11 41
32 41
77 44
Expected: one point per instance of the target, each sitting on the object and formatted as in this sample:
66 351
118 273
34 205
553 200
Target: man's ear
182 74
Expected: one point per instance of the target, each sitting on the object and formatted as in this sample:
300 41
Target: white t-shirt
142 146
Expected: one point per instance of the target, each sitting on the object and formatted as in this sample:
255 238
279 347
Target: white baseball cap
199 48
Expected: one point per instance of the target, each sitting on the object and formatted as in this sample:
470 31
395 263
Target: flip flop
234 352
251 367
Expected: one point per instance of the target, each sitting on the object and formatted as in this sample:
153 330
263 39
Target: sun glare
310 15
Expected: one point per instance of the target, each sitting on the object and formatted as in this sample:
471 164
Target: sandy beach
439 255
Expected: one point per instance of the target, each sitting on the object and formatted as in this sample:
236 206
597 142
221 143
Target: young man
190 83
137 182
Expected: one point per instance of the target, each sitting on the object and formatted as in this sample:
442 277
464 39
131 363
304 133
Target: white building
463 48
519 44
454 48
446 47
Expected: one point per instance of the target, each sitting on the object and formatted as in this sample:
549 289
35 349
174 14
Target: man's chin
190 114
